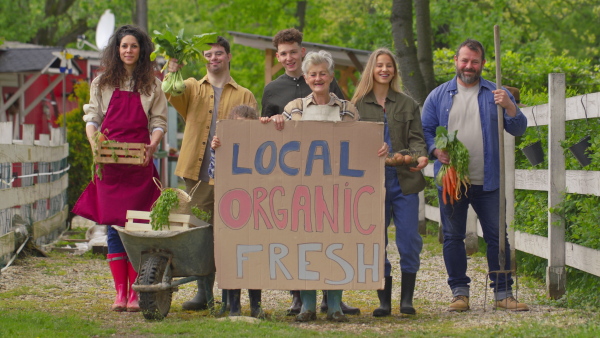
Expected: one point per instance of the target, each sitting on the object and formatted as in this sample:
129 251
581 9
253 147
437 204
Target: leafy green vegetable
201 214
159 215
169 45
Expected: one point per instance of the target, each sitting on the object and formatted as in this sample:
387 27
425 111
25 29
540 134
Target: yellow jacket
196 107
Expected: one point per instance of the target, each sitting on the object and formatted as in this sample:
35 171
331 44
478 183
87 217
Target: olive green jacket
406 132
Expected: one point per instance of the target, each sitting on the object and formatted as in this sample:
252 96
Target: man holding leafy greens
468 104
201 103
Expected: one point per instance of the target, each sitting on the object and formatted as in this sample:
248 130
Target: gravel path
65 282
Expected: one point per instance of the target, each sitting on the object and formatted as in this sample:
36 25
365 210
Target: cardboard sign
301 208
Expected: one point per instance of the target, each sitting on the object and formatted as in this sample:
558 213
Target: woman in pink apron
320 105
127 105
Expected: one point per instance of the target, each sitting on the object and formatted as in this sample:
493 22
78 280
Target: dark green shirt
404 123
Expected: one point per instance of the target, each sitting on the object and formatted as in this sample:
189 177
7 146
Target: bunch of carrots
455 175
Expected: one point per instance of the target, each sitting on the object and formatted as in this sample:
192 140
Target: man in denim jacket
468 103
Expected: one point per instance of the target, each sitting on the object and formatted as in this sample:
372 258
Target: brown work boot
510 303
459 304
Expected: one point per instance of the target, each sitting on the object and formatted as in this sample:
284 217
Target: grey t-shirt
206 162
464 117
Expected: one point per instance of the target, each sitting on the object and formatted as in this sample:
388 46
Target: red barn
35 82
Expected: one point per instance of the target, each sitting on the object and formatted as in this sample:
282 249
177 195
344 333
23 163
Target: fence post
509 187
555 272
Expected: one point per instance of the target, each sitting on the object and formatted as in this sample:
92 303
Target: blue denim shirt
437 109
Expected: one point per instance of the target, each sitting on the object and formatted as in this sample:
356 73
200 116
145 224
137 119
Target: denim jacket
437 109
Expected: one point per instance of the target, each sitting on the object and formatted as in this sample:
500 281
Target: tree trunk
141 14
406 51
424 49
300 14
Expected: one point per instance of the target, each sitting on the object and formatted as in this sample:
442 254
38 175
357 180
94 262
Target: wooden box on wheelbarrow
140 221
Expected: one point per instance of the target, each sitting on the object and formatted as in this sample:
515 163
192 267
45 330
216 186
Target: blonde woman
379 99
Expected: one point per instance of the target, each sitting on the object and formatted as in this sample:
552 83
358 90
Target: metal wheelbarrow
159 256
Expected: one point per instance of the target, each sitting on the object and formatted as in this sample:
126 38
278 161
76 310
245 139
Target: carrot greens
455 175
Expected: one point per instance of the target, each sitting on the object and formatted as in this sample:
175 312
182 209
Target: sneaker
459 304
512 304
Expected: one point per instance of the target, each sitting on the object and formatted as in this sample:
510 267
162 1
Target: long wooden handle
502 209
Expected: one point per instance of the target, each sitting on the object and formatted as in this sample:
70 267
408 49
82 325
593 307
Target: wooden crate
126 153
140 221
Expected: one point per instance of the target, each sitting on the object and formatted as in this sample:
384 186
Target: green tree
80 153
56 22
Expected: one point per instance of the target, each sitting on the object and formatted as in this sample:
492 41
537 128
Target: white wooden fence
33 185
555 180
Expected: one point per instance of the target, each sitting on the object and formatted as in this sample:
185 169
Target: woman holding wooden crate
126 105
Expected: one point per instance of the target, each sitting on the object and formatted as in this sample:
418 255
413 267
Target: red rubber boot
132 300
118 268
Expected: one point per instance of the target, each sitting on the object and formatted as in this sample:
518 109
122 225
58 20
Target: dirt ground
64 282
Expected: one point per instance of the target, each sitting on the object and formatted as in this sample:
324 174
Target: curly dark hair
243 111
289 35
114 72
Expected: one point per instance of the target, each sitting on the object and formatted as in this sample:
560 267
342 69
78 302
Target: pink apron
122 187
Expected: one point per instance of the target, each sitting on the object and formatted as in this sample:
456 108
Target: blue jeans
404 210
115 245
454 222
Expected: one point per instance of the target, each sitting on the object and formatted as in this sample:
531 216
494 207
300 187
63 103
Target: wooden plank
269 56
28 134
51 224
539 115
575 107
531 179
26 195
14 153
577 181
583 182
582 258
7 243
6 132
577 256
44 140
531 244
432 213
56 137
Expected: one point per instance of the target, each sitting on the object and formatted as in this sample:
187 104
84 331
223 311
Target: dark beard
468 79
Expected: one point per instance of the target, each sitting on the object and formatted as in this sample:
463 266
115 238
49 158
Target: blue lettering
235 169
345 160
258 160
288 147
312 156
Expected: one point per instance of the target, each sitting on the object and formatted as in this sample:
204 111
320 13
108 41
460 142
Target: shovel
502 214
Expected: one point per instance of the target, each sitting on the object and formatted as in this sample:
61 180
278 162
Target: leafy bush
527 73
80 153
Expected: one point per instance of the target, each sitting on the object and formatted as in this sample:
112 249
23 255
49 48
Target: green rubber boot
334 309
309 306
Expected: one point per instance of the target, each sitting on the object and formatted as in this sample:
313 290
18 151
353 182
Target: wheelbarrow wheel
154 305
